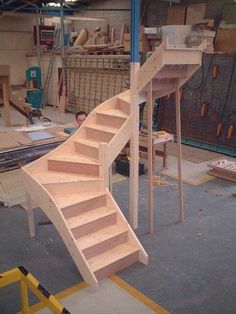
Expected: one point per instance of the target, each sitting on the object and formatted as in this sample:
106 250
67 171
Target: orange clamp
219 128
230 132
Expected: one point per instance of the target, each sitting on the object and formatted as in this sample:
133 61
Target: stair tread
74 158
48 176
111 256
103 128
88 142
114 112
125 98
73 199
100 236
89 216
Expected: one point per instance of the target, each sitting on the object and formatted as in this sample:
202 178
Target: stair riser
73 167
94 225
173 72
74 187
111 121
116 266
124 106
105 245
98 135
91 204
86 150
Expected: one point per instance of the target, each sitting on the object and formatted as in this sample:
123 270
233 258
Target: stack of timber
224 169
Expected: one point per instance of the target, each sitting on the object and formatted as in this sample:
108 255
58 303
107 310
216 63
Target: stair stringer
162 56
119 141
45 198
143 257
47 204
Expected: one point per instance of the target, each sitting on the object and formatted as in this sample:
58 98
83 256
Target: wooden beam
179 151
30 215
134 148
7 117
62 100
150 159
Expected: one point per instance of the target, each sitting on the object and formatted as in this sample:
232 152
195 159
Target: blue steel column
135 24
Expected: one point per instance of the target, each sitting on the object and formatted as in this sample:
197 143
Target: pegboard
207 103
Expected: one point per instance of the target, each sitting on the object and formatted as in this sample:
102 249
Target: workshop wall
215 7
115 19
16 38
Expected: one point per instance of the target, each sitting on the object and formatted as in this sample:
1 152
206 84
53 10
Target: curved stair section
70 183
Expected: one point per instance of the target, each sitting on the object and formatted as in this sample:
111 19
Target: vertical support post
62 40
134 141
179 151
24 298
62 101
30 215
150 159
110 179
103 163
38 38
7 117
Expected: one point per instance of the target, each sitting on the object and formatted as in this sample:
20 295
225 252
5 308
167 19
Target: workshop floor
17 119
191 265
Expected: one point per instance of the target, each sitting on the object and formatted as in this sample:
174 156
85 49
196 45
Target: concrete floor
192 266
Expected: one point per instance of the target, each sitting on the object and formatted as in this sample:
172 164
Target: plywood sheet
176 15
39 135
20 137
225 167
12 191
7 141
225 40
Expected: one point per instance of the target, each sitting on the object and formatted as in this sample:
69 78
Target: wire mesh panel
208 107
90 80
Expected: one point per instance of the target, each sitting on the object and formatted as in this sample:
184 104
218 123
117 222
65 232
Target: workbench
18 149
157 139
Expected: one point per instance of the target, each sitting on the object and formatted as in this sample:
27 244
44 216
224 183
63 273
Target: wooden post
30 215
5 89
134 148
103 163
134 111
179 152
110 179
150 158
62 100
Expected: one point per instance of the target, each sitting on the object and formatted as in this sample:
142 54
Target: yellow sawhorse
28 281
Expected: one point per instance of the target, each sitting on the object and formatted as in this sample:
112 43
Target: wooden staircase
70 183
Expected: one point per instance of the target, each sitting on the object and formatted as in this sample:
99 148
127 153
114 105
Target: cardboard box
195 13
143 43
4 70
176 15
225 40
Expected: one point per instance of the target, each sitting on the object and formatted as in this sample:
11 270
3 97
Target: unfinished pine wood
7 118
62 100
30 215
102 240
134 147
179 152
214 173
150 159
71 183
